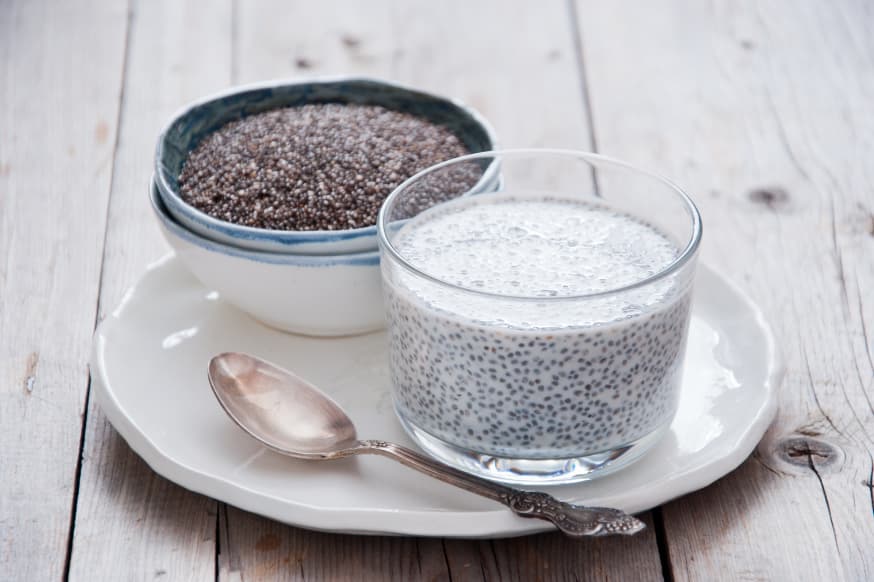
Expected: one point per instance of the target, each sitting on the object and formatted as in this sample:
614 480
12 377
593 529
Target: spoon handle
573 520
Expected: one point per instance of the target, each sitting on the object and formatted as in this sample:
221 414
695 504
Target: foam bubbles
529 247
551 247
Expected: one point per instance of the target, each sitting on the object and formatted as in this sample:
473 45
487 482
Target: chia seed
316 167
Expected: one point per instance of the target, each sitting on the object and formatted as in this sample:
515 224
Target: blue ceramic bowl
190 126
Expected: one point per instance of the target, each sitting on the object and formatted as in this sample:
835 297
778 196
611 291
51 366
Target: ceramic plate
149 376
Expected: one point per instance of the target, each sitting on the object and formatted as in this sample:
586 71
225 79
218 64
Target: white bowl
311 295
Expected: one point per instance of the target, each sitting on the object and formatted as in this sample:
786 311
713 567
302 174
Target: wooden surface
763 110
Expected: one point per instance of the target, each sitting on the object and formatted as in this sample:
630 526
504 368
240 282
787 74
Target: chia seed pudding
534 365
325 166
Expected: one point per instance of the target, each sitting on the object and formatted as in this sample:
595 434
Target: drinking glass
538 305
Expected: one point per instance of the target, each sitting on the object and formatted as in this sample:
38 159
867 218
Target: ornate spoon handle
573 520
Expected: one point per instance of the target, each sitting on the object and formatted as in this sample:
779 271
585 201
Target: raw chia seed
314 167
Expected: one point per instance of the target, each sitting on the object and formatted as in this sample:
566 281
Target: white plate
149 372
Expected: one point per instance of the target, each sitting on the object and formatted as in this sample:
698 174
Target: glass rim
676 264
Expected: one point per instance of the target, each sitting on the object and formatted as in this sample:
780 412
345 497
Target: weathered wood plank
514 62
762 109
555 557
271 551
280 39
178 51
254 548
59 84
530 90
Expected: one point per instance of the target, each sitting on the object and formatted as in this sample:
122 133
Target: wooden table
763 110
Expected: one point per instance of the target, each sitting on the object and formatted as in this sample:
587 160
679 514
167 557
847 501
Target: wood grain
762 110
59 86
553 556
266 550
514 62
254 548
355 39
178 51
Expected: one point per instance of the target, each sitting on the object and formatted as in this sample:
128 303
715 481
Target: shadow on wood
261 549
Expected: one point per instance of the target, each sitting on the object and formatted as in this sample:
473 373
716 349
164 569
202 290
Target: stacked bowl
314 282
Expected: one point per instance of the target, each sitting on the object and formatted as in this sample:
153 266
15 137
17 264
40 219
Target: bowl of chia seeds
306 294
303 167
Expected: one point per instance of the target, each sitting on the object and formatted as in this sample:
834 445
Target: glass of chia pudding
537 333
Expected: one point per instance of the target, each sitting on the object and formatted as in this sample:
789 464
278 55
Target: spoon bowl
291 416
278 408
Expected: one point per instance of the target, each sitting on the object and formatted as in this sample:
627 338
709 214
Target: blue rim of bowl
687 254
292 237
364 259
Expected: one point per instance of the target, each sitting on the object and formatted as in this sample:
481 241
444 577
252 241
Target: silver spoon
292 417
